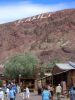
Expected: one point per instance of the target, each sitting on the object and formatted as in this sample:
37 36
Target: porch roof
63 67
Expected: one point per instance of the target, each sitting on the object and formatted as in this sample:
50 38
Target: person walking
72 93
46 95
7 93
18 89
51 89
14 88
58 91
1 94
27 93
11 94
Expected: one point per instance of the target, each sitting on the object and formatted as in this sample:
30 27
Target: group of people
9 91
47 93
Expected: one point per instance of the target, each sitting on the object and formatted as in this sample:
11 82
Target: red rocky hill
50 36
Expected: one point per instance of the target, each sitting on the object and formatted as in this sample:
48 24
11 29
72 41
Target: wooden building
64 72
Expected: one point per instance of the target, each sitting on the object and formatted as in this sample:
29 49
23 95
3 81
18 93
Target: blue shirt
14 88
11 94
72 93
46 95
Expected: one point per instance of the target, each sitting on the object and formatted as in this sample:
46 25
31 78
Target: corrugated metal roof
65 66
72 64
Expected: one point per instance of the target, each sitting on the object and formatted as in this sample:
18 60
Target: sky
11 10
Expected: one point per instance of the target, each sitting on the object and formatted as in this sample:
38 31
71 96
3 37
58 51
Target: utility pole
19 78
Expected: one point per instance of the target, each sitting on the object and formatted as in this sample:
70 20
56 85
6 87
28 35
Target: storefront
27 82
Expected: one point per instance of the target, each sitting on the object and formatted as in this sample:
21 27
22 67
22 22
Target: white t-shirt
58 89
7 90
1 95
27 91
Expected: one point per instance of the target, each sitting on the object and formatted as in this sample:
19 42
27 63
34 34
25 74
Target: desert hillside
50 36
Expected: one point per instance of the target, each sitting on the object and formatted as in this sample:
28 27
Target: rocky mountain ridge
50 36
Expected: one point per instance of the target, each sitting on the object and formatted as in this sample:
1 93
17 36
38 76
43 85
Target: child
26 93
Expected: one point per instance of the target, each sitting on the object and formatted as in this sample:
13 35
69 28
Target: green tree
24 64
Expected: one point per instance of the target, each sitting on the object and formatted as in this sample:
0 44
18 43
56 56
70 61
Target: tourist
64 88
18 89
14 88
58 91
11 94
46 95
1 94
39 88
7 93
51 89
72 93
27 93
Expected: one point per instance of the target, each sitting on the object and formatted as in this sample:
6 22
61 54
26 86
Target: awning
64 66
60 68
